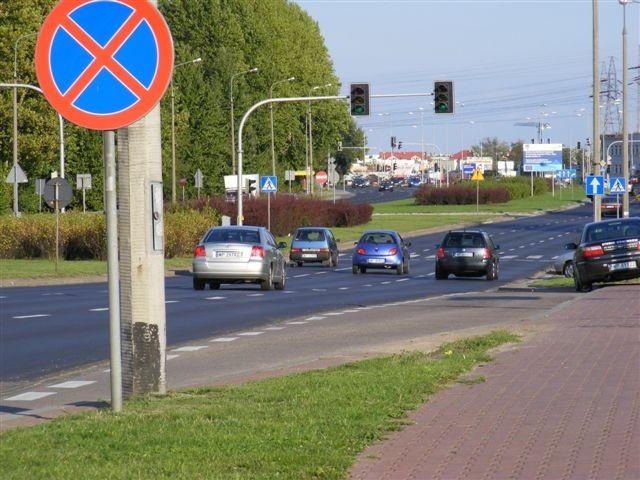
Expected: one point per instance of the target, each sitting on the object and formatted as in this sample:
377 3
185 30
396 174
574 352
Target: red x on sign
104 64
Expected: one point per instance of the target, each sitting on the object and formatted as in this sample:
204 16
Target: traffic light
400 145
395 165
393 142
339 145
359 99
443 97
578 146
436 167
252 187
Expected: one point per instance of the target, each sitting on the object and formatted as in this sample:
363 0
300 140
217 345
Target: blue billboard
541 157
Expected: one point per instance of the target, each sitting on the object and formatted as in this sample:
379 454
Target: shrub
459 195
289 212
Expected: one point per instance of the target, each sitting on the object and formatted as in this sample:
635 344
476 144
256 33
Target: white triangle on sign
268 185
16 175
617 187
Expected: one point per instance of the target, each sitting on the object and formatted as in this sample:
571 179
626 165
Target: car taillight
486 253
296 250
440 253
257 252
594 251
360 251
199 251
393 251
324 250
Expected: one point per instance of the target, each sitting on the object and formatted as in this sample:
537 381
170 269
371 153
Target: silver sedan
239 254
564 264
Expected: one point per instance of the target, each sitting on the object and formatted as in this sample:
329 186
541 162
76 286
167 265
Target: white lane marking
540 241
431 274
509 257
171 357
101 309
532 243
250 334
255 295
521 246
29 396
301 275
343 288
414 255
297 323
333 314
318 289
224 339
553 258
73 384
534 257
350 310
551 238
320 273
385 283
311 319
106 370
341 254
403 280
430 257
511 249
2 296
288 291
274 329
421 276
172 301
342 269
195 348
364 308
215 298
426 249
368 285
39 315
514 231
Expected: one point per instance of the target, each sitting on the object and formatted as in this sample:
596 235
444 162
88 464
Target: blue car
381 249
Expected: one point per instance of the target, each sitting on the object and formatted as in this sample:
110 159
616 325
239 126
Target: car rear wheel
567 269
406 268
214 285
579 284
400 269
441 274
492 273
198 283
280 285
267 284
300 264
355 270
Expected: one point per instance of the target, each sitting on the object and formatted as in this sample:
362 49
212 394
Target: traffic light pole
245 117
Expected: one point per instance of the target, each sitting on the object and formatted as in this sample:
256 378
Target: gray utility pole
273 141
625 105
596 110
310 181
233 131
173 129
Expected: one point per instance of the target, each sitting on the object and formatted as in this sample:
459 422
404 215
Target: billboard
541 157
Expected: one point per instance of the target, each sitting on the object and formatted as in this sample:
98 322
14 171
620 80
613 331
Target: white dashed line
426 249
350 310
551 238
190 349
39 315
172 301
341 254
313 319
321 273
318 289
3 297
368 285
288 292
509 257
29 396
255 295
553 258
250 334
224 339
333 314
431 274
414 255
534 257
274 329
297 323
430 257
215 298
171 357
511 249
385 283
521 246
343 288
540 241
342 269
73 384
514 231
403 280
101 309
301 275
421 276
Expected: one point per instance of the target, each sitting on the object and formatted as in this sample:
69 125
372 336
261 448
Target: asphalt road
54 328
372 195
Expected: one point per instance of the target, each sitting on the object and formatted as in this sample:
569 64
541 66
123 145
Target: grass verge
303 426
559 282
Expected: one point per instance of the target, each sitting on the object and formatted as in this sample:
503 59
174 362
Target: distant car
611 206
385 186
414 182
359 183
608 251
313 245
381 249
563 265
239 254
467 253
397 181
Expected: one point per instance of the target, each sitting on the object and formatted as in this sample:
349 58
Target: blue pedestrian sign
594 185
468 168
617 185
269 184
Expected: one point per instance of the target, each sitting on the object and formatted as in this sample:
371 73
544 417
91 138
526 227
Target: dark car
397 181
611 206
314 245
467 253
385 186
381 249
360 183
414 182
608 251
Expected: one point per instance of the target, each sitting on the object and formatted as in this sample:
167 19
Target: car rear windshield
610 200
601 232
310 235
377 238
464 239
233 235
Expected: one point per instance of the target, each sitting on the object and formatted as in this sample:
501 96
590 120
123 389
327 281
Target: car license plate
375 260
463 254
225 254
309 255
622 266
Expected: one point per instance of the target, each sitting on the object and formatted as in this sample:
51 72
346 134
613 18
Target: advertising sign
541 157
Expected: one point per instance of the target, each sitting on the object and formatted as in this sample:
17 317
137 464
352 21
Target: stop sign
321 177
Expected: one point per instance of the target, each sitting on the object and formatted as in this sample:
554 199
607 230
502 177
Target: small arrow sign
16 175
594 185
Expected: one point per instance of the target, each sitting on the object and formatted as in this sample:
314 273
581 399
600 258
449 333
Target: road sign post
83 182
269 185
198 178
16 176
105 65
477 177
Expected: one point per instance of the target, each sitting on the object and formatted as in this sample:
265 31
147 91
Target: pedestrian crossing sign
477 175
269 184
616 185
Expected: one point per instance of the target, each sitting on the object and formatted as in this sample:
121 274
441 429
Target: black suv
467 253
608 251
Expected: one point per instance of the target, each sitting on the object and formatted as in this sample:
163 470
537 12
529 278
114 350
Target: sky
510 61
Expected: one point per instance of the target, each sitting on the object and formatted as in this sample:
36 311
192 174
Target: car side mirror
355 243
570 246
437 245
497 247
282 245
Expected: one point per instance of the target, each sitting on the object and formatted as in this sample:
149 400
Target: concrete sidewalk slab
562 405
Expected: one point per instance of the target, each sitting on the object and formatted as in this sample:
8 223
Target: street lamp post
273 143
310 137
233 133
173 130
596 106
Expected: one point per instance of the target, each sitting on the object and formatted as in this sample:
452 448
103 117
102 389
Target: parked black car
314 245
608 251
385 186
467 253
360 183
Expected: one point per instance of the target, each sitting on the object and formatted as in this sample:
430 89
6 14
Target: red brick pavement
563 405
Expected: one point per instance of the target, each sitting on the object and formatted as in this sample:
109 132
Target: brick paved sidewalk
562 405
